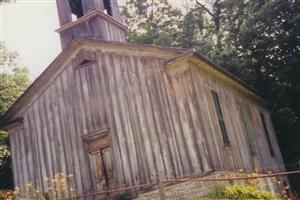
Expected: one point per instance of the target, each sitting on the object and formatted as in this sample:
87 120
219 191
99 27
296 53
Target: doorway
101 164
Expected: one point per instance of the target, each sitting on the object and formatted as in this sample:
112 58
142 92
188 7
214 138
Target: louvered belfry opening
89 19
107 7
76 7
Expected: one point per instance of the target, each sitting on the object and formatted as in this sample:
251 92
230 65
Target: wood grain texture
158 120
94 24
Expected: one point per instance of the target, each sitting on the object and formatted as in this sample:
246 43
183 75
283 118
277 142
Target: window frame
267 134
247 125
221 120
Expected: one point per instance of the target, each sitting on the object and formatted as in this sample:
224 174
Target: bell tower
94 19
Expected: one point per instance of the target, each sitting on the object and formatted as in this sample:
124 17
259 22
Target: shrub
59 188
6 195
240 192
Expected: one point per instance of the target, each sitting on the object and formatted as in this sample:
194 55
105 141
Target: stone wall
195 189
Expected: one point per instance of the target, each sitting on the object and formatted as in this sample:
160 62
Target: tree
13 81
268 42
151 21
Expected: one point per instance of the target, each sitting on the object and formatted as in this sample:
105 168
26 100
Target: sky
28 27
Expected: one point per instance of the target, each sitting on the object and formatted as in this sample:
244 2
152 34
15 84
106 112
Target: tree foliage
151 21
257 40
13 81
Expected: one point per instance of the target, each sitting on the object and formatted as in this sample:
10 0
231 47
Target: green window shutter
220 118
263 120
248 128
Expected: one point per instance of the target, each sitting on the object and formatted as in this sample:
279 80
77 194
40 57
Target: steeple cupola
95 19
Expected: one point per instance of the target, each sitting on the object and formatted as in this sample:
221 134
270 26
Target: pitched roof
54 68
172 55
189 55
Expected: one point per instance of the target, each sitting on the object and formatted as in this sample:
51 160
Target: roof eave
193 54
8 124
9 114
13 111
88 17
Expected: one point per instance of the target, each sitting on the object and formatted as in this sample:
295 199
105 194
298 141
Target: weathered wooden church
116 114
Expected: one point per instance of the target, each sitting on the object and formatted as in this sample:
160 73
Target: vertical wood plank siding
97 28
159 121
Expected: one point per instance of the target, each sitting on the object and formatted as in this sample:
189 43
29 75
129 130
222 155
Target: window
76 7
248 128
107 7
220 118
262 117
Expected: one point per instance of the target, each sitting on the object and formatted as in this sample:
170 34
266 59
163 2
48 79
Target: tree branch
205 8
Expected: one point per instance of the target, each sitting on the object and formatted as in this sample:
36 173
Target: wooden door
101 162
107 167
102 168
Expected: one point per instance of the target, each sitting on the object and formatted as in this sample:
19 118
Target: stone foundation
197 189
